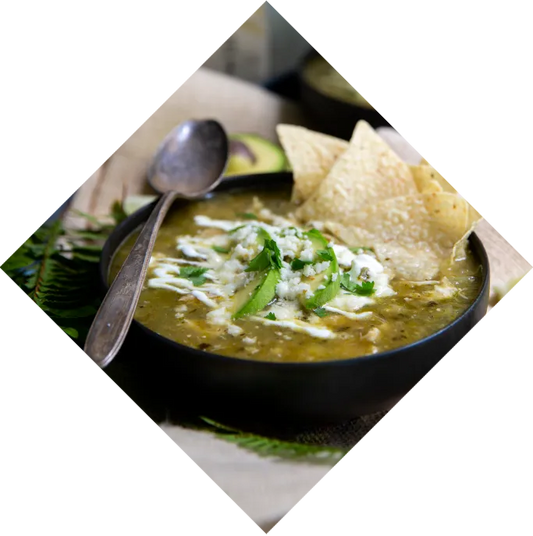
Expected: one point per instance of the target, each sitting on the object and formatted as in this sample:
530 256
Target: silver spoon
188 164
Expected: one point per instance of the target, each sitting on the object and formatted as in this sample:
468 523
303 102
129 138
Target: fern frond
272 447
58 270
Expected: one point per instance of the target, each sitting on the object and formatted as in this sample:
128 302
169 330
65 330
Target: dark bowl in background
238 390
330 115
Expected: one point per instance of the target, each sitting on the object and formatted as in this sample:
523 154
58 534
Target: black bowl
330 115
234 389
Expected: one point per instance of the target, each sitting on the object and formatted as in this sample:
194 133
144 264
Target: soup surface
235 275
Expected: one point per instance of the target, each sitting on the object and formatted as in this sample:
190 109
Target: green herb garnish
260 262
194 274
298 264
276 257
321 312
247 215
317 235
218 249
365 289
270 316
325 254
269 257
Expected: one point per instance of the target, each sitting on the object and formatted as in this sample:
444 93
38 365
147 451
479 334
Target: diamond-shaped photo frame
122 177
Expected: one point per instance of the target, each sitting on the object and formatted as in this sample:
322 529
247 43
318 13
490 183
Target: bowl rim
233 182
304 80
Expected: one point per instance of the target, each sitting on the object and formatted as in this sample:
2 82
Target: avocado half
250 153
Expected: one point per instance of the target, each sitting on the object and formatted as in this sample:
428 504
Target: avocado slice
257 294
250 153
324 295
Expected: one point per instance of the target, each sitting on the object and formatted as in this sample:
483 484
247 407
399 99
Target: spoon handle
113 319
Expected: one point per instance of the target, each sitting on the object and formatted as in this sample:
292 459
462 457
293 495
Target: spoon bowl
191 160
189 163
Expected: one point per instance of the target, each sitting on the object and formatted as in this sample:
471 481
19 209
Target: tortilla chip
413 236
369 171
459 250
311 155
428 179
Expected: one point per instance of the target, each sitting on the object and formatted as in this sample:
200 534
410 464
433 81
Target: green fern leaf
272 447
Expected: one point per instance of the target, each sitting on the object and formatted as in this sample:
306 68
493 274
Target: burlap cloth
264 490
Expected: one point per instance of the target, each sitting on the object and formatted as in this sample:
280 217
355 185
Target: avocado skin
258 156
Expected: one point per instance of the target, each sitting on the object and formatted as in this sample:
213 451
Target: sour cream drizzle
226 274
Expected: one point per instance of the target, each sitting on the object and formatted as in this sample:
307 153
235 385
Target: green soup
307 300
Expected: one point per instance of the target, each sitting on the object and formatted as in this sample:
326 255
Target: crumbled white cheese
287 274
308 270
234 330
243 253
227 275
288 246
290 291
372 335
219 317
249 340
250 239
444 290
307 254
322 266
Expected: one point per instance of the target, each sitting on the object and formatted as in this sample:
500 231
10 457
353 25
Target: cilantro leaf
365 289
194 274
271 316
317 235
321 312
298 264
218 249
276 253
247 215
269 257
325 254
261 261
